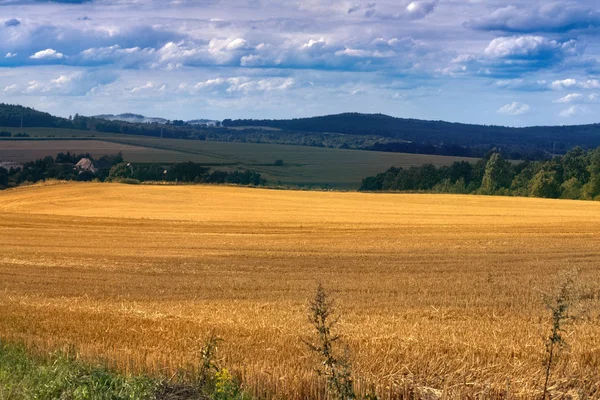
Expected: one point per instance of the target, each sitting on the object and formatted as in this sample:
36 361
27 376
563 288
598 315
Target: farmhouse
84 165
10 165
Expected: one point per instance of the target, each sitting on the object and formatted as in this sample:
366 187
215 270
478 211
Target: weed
560 306
335 367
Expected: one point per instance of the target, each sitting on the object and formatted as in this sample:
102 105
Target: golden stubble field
437 291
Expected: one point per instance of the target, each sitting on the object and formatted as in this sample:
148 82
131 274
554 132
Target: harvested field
439 292
31 150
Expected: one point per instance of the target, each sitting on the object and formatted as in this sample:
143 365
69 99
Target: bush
129 181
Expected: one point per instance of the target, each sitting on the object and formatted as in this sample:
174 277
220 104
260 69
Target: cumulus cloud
571 83
514 109
420 9
550 17
570 98
529 47
239 84
67 84
48 54
150 88
578 98
574 111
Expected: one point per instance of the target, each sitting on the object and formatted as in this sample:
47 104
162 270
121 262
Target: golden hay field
437 291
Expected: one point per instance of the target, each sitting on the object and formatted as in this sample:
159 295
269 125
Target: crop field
436 292
30 150
303 166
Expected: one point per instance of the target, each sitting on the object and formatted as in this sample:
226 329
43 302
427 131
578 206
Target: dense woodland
576 175
375 132
114 169
440 133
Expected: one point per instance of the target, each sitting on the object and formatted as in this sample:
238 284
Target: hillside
375 132
436 132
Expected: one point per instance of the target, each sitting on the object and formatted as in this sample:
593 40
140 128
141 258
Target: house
86 165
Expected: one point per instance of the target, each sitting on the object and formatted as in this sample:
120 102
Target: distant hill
141 119
436 132
133 118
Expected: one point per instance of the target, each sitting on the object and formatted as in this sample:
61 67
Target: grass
439 293
59 376
302 166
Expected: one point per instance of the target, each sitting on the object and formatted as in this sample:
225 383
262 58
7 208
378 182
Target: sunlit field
441 293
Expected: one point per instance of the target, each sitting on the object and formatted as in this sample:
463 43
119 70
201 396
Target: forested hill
435 132
17 116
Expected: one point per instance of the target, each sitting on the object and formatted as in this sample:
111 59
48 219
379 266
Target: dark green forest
439 133
115 169
576 175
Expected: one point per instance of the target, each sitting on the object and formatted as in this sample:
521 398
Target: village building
86 165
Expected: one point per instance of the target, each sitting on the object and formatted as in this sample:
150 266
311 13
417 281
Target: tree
520 185
571 189
120 171
3 178
545 184
592 188
575 165
498 174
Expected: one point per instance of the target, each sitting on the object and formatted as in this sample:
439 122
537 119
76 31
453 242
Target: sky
515 63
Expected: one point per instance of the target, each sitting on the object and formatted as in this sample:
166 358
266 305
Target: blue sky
521 62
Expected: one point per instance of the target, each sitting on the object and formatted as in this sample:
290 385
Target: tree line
576 175
112 168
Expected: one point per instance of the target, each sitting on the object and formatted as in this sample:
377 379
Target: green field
303 166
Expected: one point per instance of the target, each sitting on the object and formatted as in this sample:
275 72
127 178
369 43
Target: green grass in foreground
62 377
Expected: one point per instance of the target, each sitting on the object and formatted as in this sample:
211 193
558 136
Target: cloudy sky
521 62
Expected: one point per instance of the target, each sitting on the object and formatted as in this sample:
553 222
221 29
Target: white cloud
10 55
67 84
528 47
574 83
514 108
233 85
578 98
48 54
570 98
149 88
420 9
574 111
